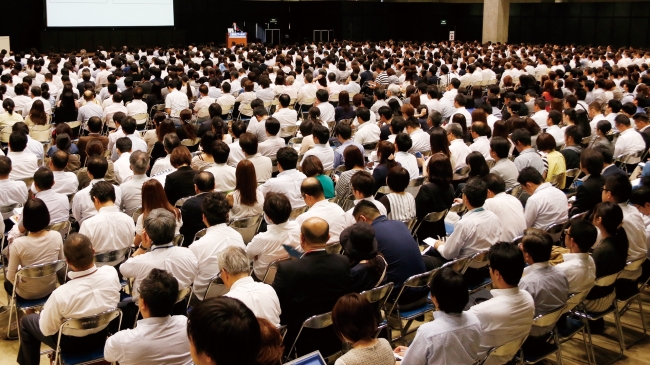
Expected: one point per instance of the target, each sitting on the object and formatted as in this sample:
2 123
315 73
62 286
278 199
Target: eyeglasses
566 232
604 189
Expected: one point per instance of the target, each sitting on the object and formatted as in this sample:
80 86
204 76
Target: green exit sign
273 20
443 22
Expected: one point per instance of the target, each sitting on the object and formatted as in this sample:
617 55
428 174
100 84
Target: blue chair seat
383 324
484 283
75 358
539 352
123 282
428 307
568 327
30 303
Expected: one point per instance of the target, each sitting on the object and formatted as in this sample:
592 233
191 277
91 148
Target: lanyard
157 247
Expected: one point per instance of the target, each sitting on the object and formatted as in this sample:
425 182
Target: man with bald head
311 286
312 193
90 109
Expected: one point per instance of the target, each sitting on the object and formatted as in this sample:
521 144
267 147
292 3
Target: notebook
313 358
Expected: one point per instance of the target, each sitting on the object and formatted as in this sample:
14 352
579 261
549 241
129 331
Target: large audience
221 197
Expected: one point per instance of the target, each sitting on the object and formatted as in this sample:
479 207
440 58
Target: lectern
236 38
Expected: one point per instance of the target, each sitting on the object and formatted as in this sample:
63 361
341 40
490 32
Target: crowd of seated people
271 184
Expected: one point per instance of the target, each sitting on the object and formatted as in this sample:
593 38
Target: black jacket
192 217
588 194
180 184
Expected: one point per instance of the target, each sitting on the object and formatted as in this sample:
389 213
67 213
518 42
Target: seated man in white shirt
170 142
312 193
547 204
82 205
115 107
288 180
476 232
629 141
33 146
90 108
175 101
226 97
258 297
165 335
266 247
321 148
454 336
24 164
122 166
506 207
137 106
367 132
362 186
129 126
578 266
508 316
204 101
132 187
90 291
217 237
553 123
11 192
273 143
403 143
286 116
257 124
224 175
109 229
322 103
540 115
481 143
420 138
263 164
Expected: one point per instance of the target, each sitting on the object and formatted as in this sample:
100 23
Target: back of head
225 330
123 144
277 207
160 225
97 166
159 291
36 216
403 142
233 260
353 318
315 231
139 162
364 183
495 183
584 233
204 181
508 260
537 244
59 160
619 187
78 251
171 141
17 141
475 192
103 191
248 143
43 178
366 209
530 175
94 124
215 208
287 158
450 290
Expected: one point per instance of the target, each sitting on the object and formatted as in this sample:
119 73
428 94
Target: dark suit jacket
180 184
146 87
611 171
307 287
588 194
206 126
192 218
127 95
646 137
83 142
431 198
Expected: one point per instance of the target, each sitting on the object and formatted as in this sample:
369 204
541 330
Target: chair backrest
179 202
379 294
62 227
459 265
634 265
295 212
5 133
575 299
414 185
9 208
517 240
203 113
508 349
183 293
550 318
295 140
582 215
99 320
288 131
136 214
555 230
272 270
40 270
458 208
247 227
200 234
191 142
334 247
383 190
316 322
607 280
462 171
435 216
478 260
216 288
178 240
114 257
410 224
572 172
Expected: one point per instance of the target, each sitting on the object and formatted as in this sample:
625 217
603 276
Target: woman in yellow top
554 164
9 117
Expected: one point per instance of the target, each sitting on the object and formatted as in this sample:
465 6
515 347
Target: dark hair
220 151
312 166
384 150
248 143
246 182
522 136
592 161
640 196
476 192
495 183
123 144
363 182
271 348
612 218
398 179
159 291
287 158
103 191
403 142
225 330
440 170
477 164
204 181
322 133
344 130
36 216
438 141
277 207
538 244
353 157
43 178
619 186
78 251
546 142
353 318
17 141
215 208
272 126
97 166
530 174
180 156
584 234
500 146
311 186
450 289
508 260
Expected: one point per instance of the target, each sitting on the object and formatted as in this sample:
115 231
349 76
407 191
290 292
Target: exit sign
443 22
273 20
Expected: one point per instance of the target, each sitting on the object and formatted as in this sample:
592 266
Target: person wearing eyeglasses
578 266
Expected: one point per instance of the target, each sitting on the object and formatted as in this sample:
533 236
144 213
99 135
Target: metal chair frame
432 217
379 295
272 270
246 226
319 321
200 234
545 320
625 303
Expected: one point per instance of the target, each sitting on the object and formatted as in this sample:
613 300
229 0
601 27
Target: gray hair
171 141
139 162
289 80
160 226
234 260
455 129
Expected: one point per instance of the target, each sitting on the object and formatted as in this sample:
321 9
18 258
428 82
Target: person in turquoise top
312 167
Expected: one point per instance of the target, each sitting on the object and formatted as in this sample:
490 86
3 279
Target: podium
235 37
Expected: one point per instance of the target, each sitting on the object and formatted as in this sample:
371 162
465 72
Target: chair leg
619 328
558 353
584 340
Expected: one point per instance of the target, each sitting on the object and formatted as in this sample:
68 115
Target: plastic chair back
247 227
216 288
272 270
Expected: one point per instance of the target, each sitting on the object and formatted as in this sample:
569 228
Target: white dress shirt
204 102
504 318
57 204
122 168
326 112
547 205
306 93
23 165
452 338
136 107
87 293
82 204
263 167
421 141
155 340
35 147
205 249
482 144
161 165
137 144
258 128
580 271
271 146
635 230
557 134
325 154
409 162
176 101
287 117
628 142
132 193
109 229
349 217
258 297
459 151
549 288
12 192
332 213
90 110
288 183
266 247
113 137
178 261
540 117
477 231
111 109
511 212
224 177
367 133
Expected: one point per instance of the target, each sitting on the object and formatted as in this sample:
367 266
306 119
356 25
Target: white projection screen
110 13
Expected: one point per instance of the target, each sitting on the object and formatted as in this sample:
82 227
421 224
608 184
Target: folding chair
200 234
478 260
216 288
461 173
179 202
141 121
623 303
568 326
295 141
247 227
297 211
459 265
538 353
272 270
334 247
97 321
414 186
114 258
410 224
379 295
430 218
591 316
458 208
320 321
41 133
396 316
136 214
62 227
385 190
288 131
32 273
555 230
178 240
227 111
506 351
369 147
347 204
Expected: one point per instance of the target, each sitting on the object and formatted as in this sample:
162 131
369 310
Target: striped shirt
402 206
382 78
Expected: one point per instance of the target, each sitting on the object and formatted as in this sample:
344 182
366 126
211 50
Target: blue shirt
338 152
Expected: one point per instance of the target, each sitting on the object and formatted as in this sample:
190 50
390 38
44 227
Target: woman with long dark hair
386 156
153 197
436 195
67 110
246 200
344 110
366 264
37 114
